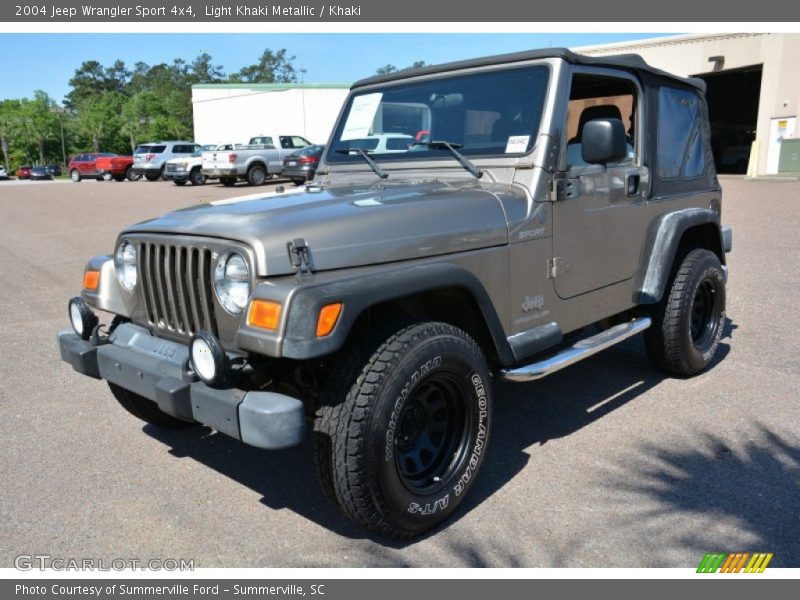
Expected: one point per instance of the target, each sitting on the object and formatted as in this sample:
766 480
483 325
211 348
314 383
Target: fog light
208 357
82 318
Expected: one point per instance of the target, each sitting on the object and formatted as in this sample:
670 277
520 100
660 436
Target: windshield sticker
362 114
517 144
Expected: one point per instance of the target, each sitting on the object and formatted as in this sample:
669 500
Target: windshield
483 114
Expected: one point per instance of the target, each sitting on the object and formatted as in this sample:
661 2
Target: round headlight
125 265
232 282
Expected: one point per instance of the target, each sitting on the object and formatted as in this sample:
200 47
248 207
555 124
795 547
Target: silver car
149 159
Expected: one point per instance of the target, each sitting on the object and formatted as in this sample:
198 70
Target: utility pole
303 96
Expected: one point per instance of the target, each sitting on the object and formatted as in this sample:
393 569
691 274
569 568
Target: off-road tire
75 175
227 181
257 175
688 322
144 409
196 177
369 415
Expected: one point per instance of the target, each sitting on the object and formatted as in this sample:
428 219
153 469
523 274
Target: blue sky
48 61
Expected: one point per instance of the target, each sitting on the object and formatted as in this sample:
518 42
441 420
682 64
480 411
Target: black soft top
629 62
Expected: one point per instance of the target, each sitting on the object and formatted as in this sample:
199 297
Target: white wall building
235 112
753 91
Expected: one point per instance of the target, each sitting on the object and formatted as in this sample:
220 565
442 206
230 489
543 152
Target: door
599 214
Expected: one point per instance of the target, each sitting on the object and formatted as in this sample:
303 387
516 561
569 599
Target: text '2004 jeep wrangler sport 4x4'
536 194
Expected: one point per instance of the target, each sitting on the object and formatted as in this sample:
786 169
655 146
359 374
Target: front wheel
131 176
74 175
144 409
403 428
688 322
196 177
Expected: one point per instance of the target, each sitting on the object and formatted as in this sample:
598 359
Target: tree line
114 108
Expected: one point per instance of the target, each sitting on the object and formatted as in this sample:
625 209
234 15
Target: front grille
176 283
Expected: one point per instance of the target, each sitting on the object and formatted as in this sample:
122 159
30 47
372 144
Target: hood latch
300 255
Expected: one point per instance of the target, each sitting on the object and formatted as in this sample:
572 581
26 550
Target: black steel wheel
688 322
403 427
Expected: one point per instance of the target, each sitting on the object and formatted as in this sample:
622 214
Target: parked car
181 170
54 170
384 143
24 172
42 172
84 166
150 159
301 166
384 302
3 172
256 162
116 167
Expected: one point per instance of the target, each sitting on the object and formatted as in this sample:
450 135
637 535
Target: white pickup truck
256 162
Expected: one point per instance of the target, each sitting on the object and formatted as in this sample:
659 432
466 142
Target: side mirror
603 141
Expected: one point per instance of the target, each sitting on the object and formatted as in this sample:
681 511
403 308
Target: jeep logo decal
535 303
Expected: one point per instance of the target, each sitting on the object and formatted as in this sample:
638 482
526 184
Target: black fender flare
669 229
362 292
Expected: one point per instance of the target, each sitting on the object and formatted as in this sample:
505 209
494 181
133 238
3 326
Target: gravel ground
605 464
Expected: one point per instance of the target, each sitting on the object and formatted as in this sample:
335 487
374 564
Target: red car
84 166
24 172
116 167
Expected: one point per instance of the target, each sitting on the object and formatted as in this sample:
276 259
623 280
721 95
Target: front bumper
176 175
154 368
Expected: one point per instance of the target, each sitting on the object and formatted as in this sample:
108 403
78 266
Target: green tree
10 118
98 121
137 116
39 121
390 68
272 67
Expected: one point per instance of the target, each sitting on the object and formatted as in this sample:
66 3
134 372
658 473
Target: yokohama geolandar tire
403 428
688 322
144 409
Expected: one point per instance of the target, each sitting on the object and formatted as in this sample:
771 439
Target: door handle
632 184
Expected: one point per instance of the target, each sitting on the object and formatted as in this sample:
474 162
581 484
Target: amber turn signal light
91 279
265 314
327 318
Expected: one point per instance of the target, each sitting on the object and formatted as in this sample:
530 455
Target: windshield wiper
451 147
372 164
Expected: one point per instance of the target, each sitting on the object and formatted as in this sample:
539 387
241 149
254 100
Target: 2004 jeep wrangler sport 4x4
518 200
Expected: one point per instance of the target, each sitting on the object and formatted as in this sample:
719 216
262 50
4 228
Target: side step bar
580 350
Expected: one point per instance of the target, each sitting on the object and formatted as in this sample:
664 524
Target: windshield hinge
300 255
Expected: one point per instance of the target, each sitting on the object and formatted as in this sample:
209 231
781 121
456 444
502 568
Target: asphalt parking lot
605 464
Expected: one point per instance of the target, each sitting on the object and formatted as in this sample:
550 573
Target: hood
352 225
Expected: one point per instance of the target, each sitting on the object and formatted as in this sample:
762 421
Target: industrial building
226 113
753 92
